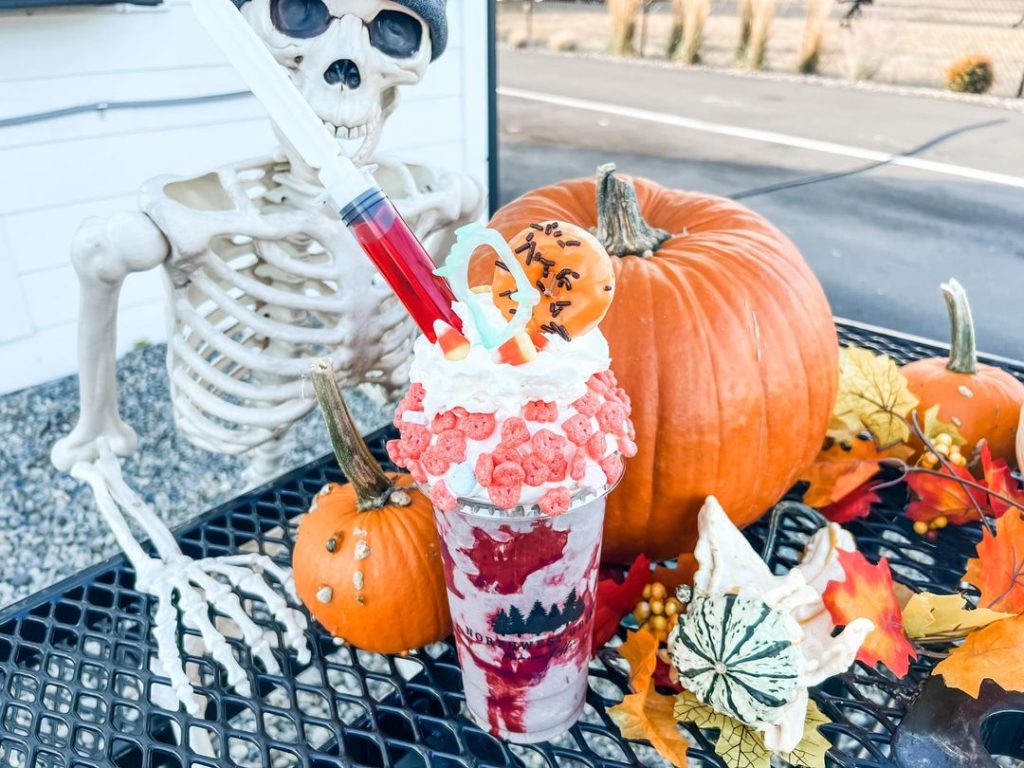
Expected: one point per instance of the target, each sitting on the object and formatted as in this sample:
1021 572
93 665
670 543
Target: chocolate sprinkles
607 287
523 247
537 227
562 278
556 307
505 294
556 329
573 242
501 265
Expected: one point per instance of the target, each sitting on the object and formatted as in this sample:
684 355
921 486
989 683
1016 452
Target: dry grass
746 13
622 14
563 41
867 44
762 13
690 16
813 41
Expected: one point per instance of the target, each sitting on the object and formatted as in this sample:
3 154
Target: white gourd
737 656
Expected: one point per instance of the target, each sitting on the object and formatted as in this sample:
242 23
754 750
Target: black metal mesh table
76 687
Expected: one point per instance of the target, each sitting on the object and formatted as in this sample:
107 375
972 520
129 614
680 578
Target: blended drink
518 455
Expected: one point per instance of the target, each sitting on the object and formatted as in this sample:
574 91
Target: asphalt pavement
886 194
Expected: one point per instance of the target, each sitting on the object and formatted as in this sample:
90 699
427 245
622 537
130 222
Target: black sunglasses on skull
392 32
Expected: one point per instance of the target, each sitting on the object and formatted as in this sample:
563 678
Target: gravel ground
49 524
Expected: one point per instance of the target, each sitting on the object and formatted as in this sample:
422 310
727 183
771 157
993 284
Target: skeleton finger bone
168 658
194 614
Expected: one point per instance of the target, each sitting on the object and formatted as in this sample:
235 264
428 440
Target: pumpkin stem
620 225
963 354
373 487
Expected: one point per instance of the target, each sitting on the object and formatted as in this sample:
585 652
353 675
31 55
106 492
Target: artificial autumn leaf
873 393
867 592
999 479
943 496
646 714
934 426
614 600
998 570
993 653
936 618
810 752
741 746
681 573
854 505
839 470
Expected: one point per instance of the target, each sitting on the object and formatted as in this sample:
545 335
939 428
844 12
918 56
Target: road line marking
768 137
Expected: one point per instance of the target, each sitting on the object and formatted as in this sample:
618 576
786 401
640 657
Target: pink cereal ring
578 428
478 426
555 501
443 498
611 417
514 431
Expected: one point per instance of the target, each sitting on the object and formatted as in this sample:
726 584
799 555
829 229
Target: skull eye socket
396 34
300 18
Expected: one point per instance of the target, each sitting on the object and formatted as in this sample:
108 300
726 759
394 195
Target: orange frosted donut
572 271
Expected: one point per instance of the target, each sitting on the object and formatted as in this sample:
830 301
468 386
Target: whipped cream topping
479 383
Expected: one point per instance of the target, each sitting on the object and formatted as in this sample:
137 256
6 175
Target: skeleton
260 276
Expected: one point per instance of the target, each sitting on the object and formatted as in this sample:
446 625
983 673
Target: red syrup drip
502 566
401 259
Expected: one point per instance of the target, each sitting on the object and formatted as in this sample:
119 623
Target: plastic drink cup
521 586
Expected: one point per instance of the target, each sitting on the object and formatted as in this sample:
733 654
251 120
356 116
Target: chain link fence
904 42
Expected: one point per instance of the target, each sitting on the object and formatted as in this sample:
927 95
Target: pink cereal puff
578 429
415 438
548 444
597 446
623 397
484 469
627 447
541 411
443 421
459 411
588 404
555 501
505 496
507 452
607 377
415 468
396 452
611 417
478 426
536 470
557 468
434 461
612 466
578 465
630 429
417 392
514 431
597 387
443 498
508 473
452 444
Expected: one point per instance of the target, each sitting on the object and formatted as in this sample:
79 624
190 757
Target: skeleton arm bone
104 252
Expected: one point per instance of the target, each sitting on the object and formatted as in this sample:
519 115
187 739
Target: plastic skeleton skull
347 57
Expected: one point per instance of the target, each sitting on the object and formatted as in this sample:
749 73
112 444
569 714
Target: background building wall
55 173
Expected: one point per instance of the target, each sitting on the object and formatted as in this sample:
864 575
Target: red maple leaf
616 599
945 497
999 479
839 470
868 592
854 505
998 570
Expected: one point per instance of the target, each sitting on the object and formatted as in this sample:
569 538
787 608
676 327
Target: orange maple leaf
839 470
868 592
646 714
998 570
999 479
854 505
945 497
993 653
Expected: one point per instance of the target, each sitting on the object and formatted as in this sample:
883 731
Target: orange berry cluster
657 612
945 447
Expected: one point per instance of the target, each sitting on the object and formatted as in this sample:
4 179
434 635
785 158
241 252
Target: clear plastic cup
521 586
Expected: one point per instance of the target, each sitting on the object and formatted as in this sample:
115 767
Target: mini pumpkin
723 338
736 654
983 401
367 559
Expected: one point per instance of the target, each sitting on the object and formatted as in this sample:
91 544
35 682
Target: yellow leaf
690 709
873 393
742 747
933 618
810 752
647 714
933 427
992 653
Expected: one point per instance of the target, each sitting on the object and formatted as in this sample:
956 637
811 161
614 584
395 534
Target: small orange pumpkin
723 339
983 401
367 559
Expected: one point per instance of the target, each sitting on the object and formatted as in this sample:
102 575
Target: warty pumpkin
982 401
721 335
367 560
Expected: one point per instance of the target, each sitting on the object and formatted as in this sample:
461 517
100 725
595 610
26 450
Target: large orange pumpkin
367 560
721 335
983 401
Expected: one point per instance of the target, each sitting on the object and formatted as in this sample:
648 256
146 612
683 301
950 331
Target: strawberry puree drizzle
504 564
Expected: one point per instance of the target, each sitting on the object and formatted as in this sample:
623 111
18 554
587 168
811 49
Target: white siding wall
55 173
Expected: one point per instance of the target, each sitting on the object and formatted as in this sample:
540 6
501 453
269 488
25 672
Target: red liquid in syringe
402 261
